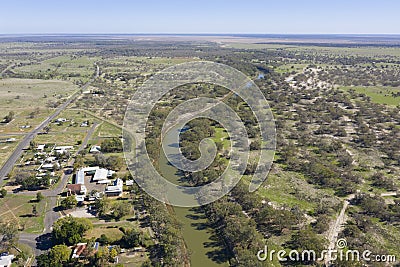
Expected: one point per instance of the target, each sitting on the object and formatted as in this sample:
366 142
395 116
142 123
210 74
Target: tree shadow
27 216
220 254
44 242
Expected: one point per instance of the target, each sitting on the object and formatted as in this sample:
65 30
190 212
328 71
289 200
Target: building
95 149
61 120
80 175
115 189
6 260
50 166
76 189
80 247
62 149
100 175
90 170
40 147
50 159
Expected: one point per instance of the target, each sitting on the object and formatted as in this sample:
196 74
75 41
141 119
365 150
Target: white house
62 149
40 147
95 149
6 260
61 120
50 166
116 188
100 175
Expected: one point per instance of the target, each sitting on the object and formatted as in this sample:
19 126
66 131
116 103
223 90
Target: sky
201 16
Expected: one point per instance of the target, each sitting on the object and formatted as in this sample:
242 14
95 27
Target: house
115 189
77 189
100 175
50 159
61 120
62 149
129 182
6 260
85 124
50 166
40 147
11 140
104 182
80 247
80 177
80 198
95 149
90 170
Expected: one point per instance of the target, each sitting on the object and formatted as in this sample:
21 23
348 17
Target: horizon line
202 34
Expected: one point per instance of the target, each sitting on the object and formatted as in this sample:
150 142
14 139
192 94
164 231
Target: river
200 239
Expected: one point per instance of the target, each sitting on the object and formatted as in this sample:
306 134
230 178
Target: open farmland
32 93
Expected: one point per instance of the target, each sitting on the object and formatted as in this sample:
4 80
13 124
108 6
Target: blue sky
202 16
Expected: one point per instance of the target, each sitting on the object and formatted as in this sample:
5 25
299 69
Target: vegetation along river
200 239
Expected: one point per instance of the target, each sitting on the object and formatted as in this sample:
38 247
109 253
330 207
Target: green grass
221 135
290 189
114 234
288 68
378 94
19 207
62 67
32 93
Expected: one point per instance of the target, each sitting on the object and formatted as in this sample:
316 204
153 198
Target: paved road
9 164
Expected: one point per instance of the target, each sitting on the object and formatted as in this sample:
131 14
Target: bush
3 193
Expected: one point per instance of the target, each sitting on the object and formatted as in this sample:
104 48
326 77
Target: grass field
380 95
19 208
62 67
290 189
288 68
67 133
113 233
32 93
7 148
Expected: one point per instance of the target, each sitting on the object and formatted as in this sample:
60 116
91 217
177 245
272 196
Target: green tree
56 257
9 117
3 193
69 230
8 234
121 209
102 206
39 196
68 202
35 211
130 239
